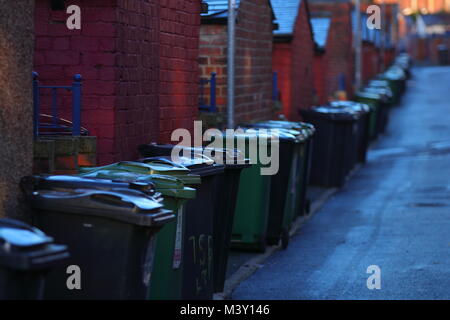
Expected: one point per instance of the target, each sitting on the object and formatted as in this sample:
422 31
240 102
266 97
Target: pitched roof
286 13
320 27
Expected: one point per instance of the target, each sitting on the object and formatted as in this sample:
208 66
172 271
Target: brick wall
282 64
370 61
339 56
133 101
302 64
138 62
179 71
319 68
253 60
293 60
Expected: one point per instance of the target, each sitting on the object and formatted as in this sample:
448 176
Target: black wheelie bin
363 126
335 143
226 198
198 234
26 257
110 235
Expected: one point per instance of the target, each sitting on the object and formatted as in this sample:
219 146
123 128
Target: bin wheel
285 237
273 241
307 206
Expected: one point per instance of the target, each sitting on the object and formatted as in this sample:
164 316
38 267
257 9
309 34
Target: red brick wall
253 60
138 62
293 61
282 64
370 61
319 68
179 71
339 56
213 58
135 97
302 65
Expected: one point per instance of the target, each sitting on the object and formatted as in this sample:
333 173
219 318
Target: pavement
393 214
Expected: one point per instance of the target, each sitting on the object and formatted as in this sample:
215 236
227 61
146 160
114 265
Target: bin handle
110 199
19 224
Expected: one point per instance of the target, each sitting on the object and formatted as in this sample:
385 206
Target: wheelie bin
198 250
385 106
197 278
333 143
166 279
373 101
363 124
26 257
306 135
283 196
110 235
226 198
252 204
397 81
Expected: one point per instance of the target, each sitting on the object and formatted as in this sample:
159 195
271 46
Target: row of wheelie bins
344 129
160 227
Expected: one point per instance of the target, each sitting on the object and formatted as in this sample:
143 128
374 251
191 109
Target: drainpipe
231 59
358 45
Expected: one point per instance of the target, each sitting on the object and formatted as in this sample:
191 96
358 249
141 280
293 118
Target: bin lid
127 206
24 247
285 134
307 130
368 95
163 184
231 158
293 125
332 113
167 185
384 93
198 165
33 183
164 150
352 105
156 167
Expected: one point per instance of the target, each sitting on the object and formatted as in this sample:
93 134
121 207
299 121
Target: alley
393 213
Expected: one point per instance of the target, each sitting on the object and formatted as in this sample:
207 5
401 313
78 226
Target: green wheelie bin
305 133
252 204
283 195
373 100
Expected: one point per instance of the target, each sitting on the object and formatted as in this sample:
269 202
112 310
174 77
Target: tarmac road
394 213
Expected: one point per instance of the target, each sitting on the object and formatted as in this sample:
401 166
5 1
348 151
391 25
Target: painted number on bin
203 258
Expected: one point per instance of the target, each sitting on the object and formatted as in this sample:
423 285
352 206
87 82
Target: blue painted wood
55 121
212 94
275 86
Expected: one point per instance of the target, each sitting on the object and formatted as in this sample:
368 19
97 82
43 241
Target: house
293 56
334 63
253 61
139 63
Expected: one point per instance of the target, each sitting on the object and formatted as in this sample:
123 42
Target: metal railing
203 106
55 123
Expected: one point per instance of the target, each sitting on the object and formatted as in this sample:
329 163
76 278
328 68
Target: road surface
394 213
